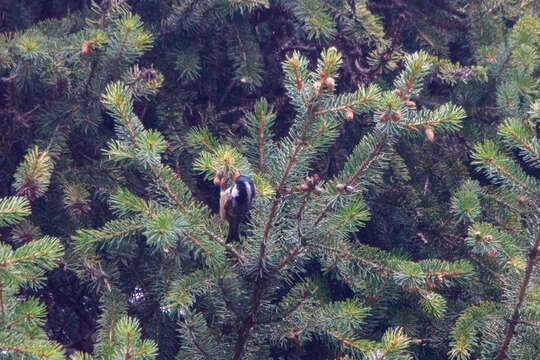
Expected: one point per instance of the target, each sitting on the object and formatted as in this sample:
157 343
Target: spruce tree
118 114
503 222
231 300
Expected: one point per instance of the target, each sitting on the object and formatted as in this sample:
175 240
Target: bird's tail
233 233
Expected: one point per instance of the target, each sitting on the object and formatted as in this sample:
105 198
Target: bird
235 202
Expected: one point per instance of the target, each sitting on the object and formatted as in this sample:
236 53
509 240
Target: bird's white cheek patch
234 192
248 189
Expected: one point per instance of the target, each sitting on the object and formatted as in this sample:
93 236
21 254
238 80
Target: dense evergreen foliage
393 145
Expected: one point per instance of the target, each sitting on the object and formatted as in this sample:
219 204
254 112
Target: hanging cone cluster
310 185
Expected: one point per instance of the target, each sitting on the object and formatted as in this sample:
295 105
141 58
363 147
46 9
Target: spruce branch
393 345
466 327
13 209
198 341
363 97
447 117
259 124
231 249
358 171
227 298
40 349
118 100
116 230
519 134
256 297
503 170
34 173
348 255
260 139
511 326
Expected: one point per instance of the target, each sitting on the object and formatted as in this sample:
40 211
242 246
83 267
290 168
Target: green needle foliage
260 289
503 230
509 252
360 135
22 317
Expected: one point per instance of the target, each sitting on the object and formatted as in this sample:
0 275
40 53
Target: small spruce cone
86 48
397 92
488 238
349 189
492 253
430 284
218 178
349 115
317 190
478 234
297 188
340 187
396 115
299 85
332 49
330 82
410 104
322 75
430 136
148 73
317 88
522 199
385 117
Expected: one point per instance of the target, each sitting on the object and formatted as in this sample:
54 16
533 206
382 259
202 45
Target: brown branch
298 246
260 141
2 301
306 294
120 51
498 276
128 338
503 66
511 327
503 171
197 344
341 107
292 254
248 323
23 258
347 254
408 84
524 322
224 244
231 111
289 311
241 45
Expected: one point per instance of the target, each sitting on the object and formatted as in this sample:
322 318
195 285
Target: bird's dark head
244 189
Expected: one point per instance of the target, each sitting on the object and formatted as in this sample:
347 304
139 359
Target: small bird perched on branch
235 201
